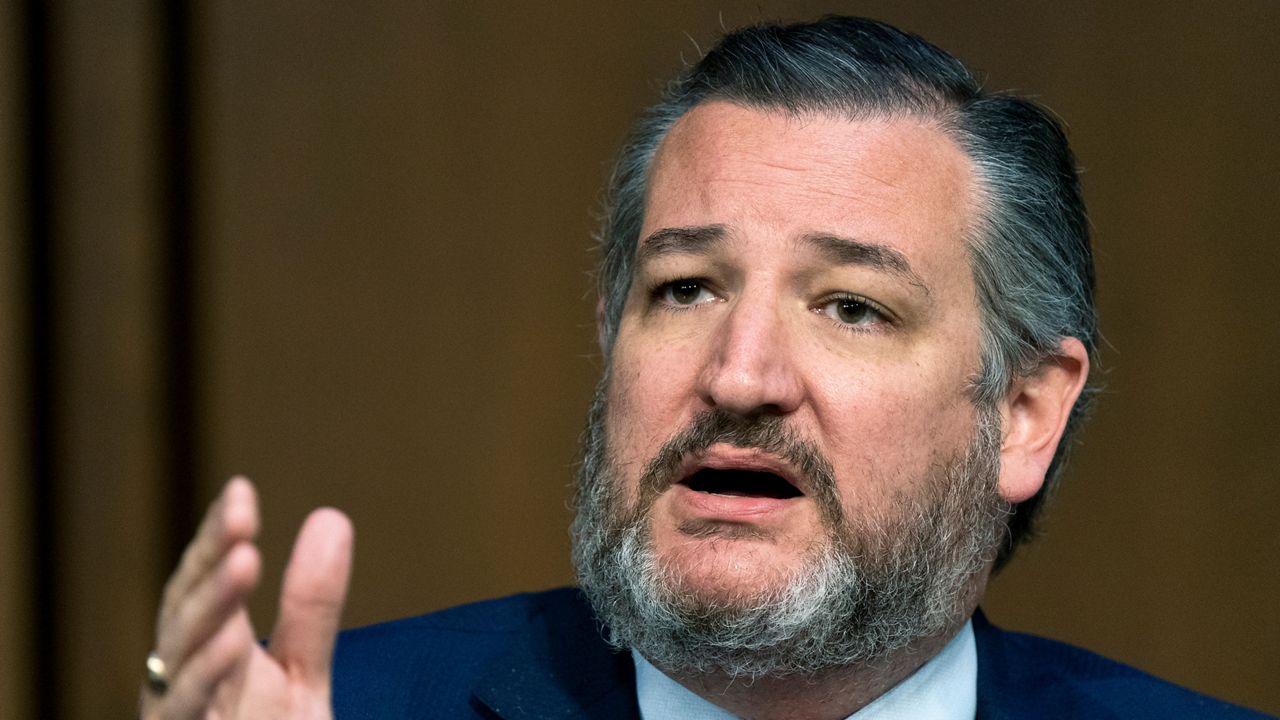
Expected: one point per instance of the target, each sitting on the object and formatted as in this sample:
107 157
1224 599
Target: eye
684 292
853 310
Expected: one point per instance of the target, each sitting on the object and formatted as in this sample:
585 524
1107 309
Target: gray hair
1029 248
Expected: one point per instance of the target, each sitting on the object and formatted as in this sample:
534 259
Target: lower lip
734 508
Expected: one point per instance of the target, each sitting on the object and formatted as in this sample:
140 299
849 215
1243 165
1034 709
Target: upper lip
728 457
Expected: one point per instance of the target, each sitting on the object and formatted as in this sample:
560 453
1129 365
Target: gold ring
157 674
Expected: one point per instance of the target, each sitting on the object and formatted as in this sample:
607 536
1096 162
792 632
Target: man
846 302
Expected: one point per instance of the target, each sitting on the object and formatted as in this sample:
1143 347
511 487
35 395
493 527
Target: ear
600 326
1035 415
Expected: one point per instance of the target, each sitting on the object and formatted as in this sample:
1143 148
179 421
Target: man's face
788 410
810 269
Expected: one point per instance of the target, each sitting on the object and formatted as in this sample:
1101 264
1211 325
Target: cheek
647 393
885 438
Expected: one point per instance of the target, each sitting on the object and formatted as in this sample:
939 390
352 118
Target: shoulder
1021 675
498 616
438 658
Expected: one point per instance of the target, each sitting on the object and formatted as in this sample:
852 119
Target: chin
726 568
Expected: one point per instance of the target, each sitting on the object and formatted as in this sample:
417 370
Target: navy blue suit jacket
541 656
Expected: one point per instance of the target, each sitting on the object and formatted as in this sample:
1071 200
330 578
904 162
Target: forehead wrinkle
825 178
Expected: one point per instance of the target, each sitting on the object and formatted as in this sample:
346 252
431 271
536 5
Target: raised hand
212 664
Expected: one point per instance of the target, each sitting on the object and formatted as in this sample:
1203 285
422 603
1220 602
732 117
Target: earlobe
1034 415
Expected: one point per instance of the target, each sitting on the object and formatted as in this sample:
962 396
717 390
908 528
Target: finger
193 688
231 518
208 604
311 599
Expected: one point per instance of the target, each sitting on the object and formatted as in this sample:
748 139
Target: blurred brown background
345 251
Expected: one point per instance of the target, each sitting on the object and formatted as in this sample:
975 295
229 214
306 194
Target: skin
217 668
737 305
764 335
881 393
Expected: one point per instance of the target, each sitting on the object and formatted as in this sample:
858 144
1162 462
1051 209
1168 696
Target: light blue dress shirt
945 688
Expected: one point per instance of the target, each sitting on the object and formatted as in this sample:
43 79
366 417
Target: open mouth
741 483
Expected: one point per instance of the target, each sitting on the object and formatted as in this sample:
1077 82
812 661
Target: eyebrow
836 249
847 251
698 240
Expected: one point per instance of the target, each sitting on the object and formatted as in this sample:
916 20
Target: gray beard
875 586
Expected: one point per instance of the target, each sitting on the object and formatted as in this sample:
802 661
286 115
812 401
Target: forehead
768 175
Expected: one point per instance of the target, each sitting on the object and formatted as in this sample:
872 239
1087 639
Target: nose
749 370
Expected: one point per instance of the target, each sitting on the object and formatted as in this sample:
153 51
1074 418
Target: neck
832 694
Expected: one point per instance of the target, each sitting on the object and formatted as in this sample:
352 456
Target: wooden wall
345 251
15 521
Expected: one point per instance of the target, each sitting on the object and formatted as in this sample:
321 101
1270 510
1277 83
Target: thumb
311 599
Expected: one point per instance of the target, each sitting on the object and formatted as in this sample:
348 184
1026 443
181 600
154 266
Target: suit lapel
1022 677
560 668
995 697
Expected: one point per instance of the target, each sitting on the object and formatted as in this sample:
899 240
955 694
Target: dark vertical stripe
40 370
179 307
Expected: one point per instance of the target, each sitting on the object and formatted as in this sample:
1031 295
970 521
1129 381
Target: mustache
767 433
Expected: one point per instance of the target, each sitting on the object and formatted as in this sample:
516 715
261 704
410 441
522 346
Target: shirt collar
945 688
